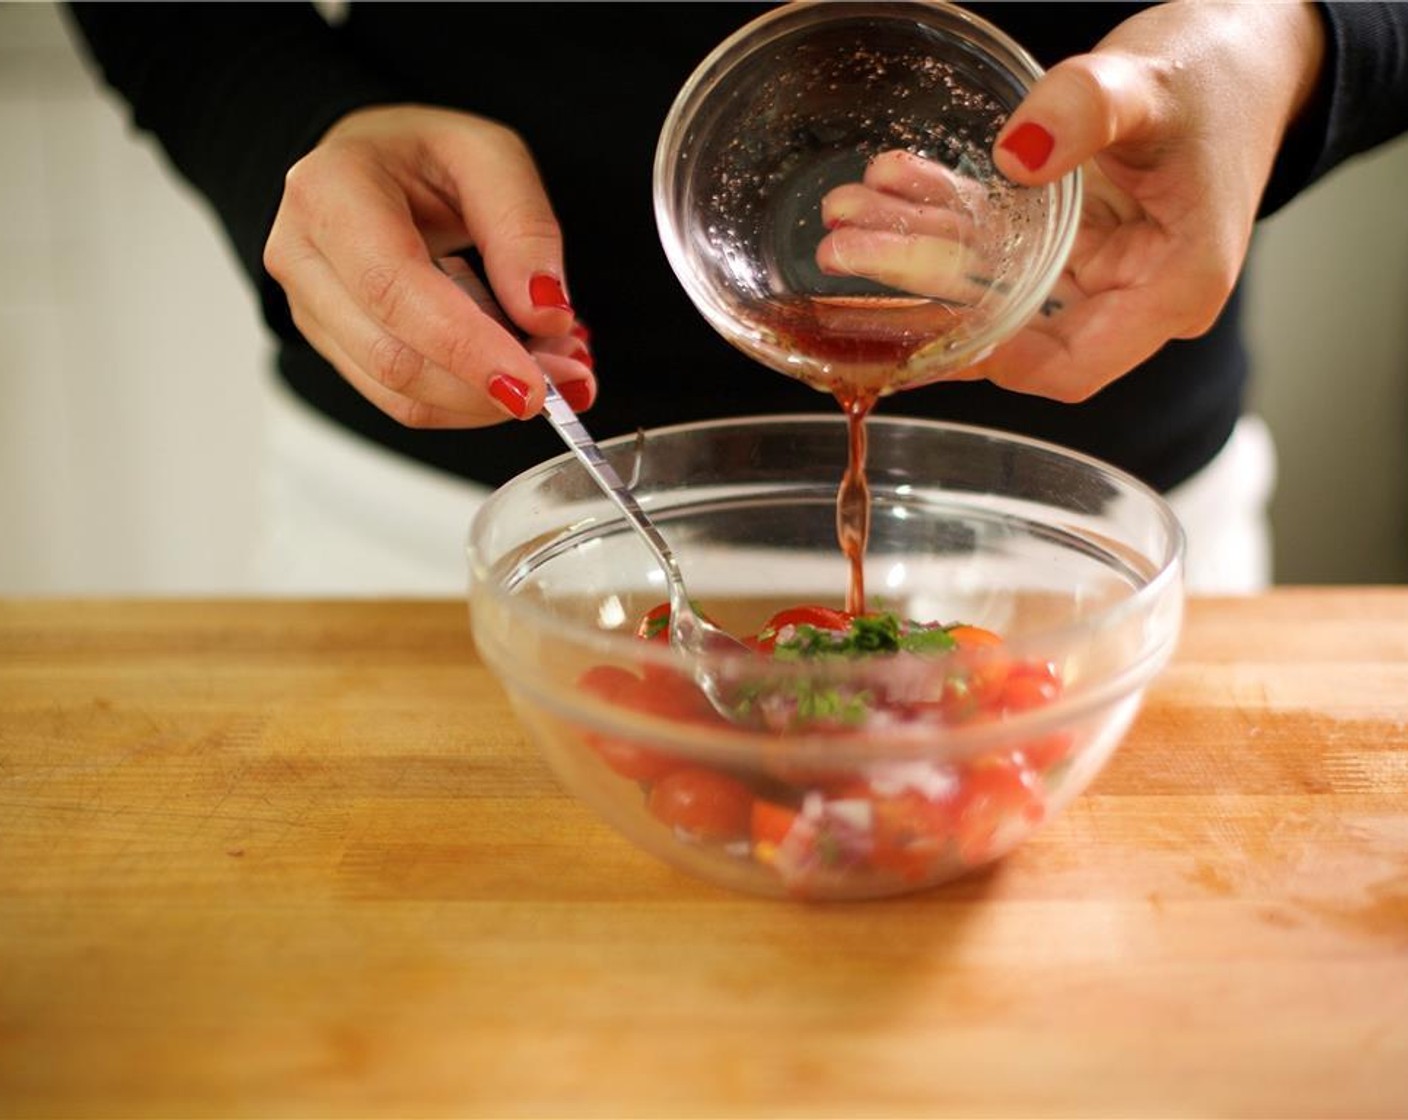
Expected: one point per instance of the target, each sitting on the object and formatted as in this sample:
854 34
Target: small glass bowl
813 97
1077 566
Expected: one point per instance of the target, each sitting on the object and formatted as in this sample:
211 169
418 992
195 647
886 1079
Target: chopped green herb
657 621
832 704
808 702
868 635
927 639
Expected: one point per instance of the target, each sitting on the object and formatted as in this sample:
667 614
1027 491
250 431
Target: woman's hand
365 217
1177 116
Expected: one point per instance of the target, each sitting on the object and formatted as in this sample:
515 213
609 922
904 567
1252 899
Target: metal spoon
695 637
690 634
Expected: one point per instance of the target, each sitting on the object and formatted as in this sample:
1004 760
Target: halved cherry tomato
769 823
630 760
1030 685
668 694
994 789
633 762
822 618
911 833
1044 753
704 804
607 681
975 688
654 625
910 830
972 637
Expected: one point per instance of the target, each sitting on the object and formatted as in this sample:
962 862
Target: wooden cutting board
296 859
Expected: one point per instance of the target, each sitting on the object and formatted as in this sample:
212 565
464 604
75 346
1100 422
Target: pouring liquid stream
853 498
858 349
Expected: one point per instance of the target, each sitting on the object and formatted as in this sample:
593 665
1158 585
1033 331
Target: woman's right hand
365 216
1177 116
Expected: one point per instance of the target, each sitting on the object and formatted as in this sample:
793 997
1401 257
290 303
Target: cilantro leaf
868 636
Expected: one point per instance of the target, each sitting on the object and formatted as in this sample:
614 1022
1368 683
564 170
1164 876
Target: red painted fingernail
578 394
579 330
1031 144
584 356
509 392
546 291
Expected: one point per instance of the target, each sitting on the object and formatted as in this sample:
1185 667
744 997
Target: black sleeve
235 94
1361 101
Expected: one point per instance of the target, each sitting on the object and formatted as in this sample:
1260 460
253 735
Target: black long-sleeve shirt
236 93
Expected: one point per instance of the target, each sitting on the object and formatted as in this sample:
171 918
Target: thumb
1082 106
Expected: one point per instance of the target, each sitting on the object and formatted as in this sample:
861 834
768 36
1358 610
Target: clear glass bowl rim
624 646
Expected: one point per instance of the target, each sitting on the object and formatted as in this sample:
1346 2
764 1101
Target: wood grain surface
296 859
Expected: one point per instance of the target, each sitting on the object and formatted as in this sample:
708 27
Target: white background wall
130 354
132 364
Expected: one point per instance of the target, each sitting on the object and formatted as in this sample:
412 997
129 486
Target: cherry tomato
975 689
704 804
607 681
628 759
994 790
769 823
1024 693
654 625
1030 685
972 637
1044 753
822 618
667 694
633 762
909 831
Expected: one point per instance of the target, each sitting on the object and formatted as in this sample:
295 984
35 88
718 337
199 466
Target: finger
405 410
563 346
573 380
857 205
329 318
386 271
912 177
410 411
1082 106
929 266
511 222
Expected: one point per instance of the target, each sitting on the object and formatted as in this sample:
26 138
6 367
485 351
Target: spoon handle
564 420
561 416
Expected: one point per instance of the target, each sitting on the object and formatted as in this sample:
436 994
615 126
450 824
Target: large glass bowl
1077 566
824 190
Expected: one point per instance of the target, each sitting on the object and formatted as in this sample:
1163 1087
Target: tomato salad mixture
908 819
